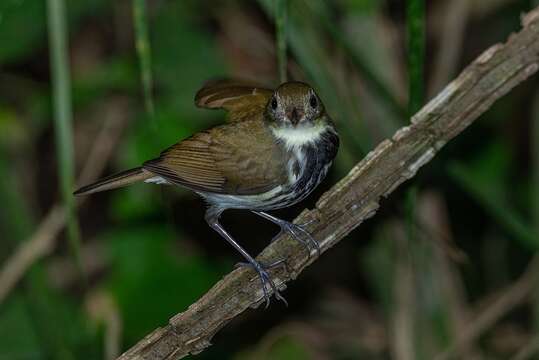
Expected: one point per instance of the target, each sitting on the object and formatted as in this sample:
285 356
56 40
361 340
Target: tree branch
356 197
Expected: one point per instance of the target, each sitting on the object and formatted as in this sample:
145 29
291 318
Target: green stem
415 26
410 207
535 191
535 188
281 13
316 68
63 118
499 210
44 315
142 45
357 60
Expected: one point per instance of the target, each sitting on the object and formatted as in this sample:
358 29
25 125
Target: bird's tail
121 179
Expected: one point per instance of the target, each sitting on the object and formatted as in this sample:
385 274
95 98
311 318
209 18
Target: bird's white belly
255 201
157 180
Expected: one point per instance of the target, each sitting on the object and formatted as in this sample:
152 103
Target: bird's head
294 105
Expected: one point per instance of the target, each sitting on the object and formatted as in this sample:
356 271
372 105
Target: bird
274 149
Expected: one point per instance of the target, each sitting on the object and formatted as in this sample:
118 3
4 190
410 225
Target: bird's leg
212 218
295 230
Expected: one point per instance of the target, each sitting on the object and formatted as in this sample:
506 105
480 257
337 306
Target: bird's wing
238 159
240 99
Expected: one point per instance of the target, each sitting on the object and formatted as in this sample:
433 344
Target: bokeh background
408 284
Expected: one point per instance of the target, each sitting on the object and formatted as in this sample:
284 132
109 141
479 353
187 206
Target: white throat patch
297 137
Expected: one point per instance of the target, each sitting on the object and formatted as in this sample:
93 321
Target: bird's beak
294 115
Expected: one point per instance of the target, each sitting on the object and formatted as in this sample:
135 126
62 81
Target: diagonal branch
356 197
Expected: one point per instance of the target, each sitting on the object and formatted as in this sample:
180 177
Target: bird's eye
313 102
274 104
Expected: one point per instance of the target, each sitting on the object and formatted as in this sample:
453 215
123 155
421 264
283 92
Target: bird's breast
296 165
306 166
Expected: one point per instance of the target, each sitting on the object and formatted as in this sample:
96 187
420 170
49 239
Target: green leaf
288 348
281 14
63 119
191 48
58 320
283 348
176 116
23 24
116 75
142 44
487 179
15 17
18 339
152 279
12 130
363 6
379 266
304 38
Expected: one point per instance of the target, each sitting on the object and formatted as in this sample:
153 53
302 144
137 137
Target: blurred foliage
19 338
283 347
151 280
156 255
488 179
17 14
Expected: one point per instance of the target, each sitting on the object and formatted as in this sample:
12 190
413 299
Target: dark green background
156 255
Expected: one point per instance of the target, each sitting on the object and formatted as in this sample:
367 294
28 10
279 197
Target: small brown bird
276 147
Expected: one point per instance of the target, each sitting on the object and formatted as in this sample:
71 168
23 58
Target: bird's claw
266 279
299 229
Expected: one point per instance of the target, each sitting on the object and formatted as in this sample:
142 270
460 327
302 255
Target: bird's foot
300 234
267 282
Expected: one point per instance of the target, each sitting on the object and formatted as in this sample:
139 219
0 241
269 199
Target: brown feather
225 160
241 100
118 180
